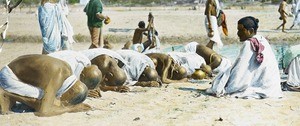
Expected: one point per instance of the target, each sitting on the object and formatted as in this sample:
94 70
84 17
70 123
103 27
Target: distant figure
283 14
95 20
212 10
57 32
137 41
46 84
255 72
296 12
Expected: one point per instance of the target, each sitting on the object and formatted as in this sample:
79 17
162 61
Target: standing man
212 9
95 17
283 14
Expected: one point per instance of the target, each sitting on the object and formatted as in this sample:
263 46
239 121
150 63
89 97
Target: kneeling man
46 84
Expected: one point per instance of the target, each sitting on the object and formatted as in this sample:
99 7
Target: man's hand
94 93
122 89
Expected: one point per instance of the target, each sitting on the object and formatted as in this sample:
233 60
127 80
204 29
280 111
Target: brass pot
198 74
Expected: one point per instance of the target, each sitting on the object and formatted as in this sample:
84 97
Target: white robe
92 53
188 60
136 64
76 60
248 79
294 72
11 83
57 32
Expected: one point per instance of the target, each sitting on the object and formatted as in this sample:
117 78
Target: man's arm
208 9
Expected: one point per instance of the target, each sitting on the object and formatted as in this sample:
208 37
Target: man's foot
284 31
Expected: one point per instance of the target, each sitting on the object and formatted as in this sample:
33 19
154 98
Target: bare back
37 69
138 35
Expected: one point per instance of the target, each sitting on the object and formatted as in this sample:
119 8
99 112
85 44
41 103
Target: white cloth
64 7
188 60
55 27
10 82
224 65
246 78
214 25
191 47
92 53
136 64
294 72
156 49
137 47
76 60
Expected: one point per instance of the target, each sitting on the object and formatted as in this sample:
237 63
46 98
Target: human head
247 27
116 77
207 69
113 75
178 72
149 74
91 76
76 94
141 24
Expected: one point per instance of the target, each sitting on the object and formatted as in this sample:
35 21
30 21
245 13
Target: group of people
59 80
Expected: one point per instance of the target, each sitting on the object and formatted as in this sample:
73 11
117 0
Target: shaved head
149 74
91 76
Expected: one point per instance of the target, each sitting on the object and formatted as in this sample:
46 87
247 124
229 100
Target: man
95 19
45 84
215 63
167 68
110 63
293 71
212 9
255 73
77 61
139 69
137 41
283 14
57 32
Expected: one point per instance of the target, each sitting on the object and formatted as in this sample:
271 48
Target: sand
173 104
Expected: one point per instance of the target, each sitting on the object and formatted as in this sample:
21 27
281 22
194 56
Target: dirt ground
173 104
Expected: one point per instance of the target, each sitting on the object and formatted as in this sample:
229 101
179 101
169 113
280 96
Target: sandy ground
174 104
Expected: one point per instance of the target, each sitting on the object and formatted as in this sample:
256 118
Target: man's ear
251 32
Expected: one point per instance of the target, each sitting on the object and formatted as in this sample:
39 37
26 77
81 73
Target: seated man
167 68
293 71
255 73
139 69
45 84
110 64
215 63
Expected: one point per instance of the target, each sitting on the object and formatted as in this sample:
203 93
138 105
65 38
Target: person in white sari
255 72
57 32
